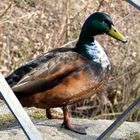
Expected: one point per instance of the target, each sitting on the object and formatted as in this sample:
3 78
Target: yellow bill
117 35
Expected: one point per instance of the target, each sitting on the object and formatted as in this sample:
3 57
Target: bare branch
5 11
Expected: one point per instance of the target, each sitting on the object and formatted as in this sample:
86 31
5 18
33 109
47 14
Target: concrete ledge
51 130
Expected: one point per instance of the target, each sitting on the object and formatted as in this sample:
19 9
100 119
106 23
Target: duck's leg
67 124
50 116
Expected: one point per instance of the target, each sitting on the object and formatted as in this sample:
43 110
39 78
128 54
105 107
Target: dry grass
134 136
29 28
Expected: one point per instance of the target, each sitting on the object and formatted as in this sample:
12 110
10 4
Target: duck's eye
103 21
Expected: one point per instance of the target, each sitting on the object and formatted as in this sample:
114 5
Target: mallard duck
65 76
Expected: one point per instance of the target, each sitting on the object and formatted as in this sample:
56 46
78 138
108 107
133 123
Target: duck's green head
100 23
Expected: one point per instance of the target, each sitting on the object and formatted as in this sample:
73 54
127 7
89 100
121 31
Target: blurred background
29 28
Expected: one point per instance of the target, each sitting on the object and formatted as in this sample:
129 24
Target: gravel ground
51 130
